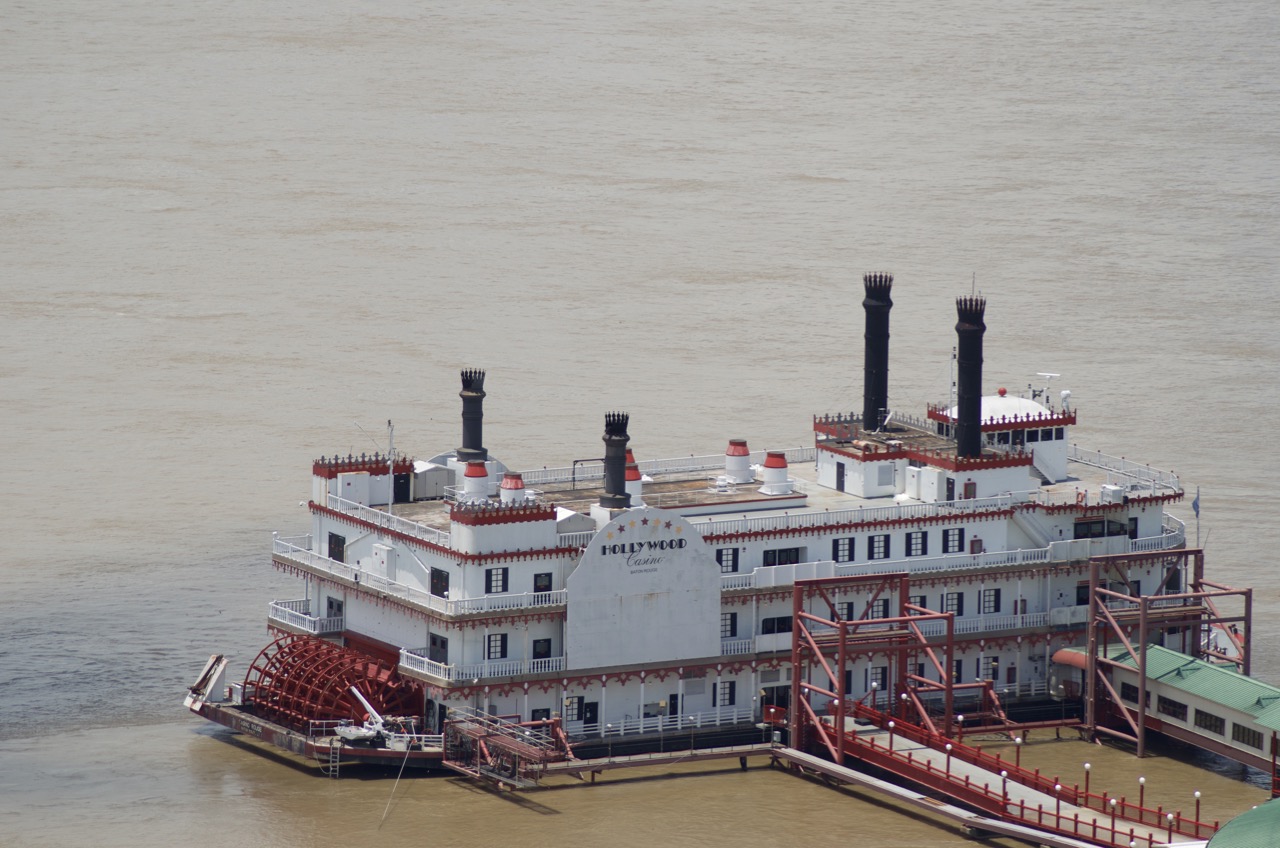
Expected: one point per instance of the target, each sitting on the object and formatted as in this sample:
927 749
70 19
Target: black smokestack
875 368
615 461
472 395
969 328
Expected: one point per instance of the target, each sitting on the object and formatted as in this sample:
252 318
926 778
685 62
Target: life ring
1080 498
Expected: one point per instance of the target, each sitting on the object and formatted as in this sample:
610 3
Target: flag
1195 504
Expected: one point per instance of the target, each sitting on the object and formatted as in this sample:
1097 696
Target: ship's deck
703 496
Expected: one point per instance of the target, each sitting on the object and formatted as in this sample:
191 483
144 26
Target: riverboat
629 598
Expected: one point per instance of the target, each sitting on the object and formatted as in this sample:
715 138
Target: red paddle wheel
298 679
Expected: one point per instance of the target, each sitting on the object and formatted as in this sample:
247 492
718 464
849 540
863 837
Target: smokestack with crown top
969 328
472 395
615 461
875 361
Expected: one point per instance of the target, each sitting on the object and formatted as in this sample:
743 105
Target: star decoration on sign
645 522
622 529
667 525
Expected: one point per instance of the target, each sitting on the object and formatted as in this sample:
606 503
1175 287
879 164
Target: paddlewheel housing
300 679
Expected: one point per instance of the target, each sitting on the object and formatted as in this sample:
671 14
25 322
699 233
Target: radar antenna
1035 393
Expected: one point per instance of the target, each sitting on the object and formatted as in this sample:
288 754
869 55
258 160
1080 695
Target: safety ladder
335 758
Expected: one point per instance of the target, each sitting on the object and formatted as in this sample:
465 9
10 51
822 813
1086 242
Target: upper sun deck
695 486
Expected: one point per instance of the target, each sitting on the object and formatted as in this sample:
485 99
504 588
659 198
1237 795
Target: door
438 649
673 704
591 712
400 488
337 547
839 476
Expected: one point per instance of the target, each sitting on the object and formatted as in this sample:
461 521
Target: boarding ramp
500 750
998 789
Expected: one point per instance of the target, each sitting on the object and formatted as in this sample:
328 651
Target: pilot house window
782 556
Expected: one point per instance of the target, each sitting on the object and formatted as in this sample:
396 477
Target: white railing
379 518
1068 550
415 659
496 603
297 614
1122 471
576 540
486 603
987 623
594 470
397 741
800 520
631 725
733 647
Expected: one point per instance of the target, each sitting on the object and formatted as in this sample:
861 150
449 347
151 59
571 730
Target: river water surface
233 231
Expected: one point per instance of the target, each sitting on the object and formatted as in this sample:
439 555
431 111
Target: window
728 625
916 600
778 624
987 668
878 608
724 693
728 559
782 556
953 541
842 550
573 708
879 676
1002 438
846 611
542 582
1033 435
878 546
918 543
496 646
953 602
1099 529
541 649
337 547
1059 433
495 580
1211 722
1171 708
439 583
1246 736
1129 692
541 714
990 601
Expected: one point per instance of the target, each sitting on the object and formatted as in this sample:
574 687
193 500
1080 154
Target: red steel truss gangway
997 788
913 742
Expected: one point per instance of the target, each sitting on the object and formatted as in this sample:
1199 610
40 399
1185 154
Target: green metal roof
1207 680
1256 828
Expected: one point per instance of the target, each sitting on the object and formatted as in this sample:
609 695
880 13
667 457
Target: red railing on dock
1115 812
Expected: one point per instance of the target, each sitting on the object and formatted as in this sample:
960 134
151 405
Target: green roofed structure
1256 828
1202 703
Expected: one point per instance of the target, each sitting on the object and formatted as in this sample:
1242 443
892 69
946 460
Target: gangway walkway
1005 791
